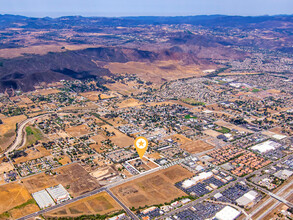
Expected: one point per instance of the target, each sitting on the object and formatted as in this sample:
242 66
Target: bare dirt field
103 172
78 130
101 203
12 195
212 133
78 180
149 163
39 182
33 154
154 156
155 188
196 146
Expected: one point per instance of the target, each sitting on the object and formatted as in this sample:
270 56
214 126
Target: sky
117 8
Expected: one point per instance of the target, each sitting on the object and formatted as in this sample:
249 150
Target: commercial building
202 176
247 200
58 193
266 146
227 213
43 199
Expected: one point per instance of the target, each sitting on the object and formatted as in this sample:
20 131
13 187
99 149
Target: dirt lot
33 154
7 130
78 180
101 203
155 188
78 130
12 194
196 146
212 133
39 182
103 172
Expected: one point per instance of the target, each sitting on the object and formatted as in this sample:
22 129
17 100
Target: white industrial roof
227 213
279 136
58 192
247 198
266 146
43 199
190 182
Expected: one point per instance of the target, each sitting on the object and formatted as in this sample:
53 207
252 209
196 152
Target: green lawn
192 101
189 116
32 135
223 130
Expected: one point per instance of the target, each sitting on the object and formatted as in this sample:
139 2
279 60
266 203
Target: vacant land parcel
155 188
101 204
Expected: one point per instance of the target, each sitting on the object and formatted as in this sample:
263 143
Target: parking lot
200 211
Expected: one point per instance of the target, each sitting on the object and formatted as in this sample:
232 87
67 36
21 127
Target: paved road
270 200
128 211
63 203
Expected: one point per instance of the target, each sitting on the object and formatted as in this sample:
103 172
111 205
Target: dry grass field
197 146
39 182
12 195
23 211
41 49
179 138
78 180
101 203
157 72
46 91
129 103
95 96
231 126
212 133
65 160
236 73
4 167
7 130
155 188
120 139
33 154
78 130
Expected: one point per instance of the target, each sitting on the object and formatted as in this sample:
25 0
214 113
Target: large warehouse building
266 146
58 193
43 199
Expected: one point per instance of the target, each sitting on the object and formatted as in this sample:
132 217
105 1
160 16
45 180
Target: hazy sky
55 8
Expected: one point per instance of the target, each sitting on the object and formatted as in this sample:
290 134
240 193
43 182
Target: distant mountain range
202 40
